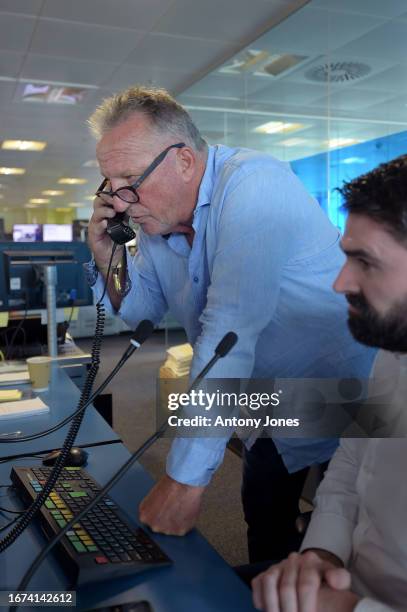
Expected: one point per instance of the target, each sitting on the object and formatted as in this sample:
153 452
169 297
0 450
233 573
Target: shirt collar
206 186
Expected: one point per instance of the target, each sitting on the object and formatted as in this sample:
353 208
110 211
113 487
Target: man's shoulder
241 161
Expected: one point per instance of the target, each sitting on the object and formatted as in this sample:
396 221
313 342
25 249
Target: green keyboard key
78 494
78 546
49 504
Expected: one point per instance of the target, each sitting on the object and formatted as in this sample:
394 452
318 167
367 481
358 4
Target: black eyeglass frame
156 162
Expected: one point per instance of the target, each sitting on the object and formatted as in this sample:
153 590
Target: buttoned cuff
193 462
92 274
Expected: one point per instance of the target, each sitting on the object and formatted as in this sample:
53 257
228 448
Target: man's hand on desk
302 583
171 507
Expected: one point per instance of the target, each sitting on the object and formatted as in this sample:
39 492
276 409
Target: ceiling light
53 192
4 170
24 145
72 181
63 210
39 201
354 160
90 197
292 142
277 127
56 94
30 206
334 143
91 163
75 204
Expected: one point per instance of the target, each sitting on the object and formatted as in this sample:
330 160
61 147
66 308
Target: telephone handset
118 229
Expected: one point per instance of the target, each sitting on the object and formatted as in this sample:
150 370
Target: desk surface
198 580
62 398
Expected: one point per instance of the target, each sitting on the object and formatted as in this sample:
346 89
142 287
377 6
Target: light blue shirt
262 264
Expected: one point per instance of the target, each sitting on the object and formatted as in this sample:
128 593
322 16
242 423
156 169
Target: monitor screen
26 232
56 232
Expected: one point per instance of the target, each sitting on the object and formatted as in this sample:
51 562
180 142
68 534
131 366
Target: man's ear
186 161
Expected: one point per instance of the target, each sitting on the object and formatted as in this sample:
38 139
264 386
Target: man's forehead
365 234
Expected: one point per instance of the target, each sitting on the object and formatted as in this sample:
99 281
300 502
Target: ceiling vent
338 72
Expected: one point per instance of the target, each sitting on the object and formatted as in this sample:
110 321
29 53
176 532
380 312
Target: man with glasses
229 240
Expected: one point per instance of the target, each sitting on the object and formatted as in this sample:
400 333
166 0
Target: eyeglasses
128 193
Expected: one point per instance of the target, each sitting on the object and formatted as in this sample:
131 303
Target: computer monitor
26 232
21 281
57 232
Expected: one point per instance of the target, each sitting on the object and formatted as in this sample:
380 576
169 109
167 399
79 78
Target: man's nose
346 281
119 205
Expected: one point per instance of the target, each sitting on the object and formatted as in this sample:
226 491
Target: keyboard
101 546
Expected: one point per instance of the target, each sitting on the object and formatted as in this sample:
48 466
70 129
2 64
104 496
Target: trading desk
62 397
199 580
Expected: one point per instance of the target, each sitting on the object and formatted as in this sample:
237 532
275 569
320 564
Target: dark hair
164 112
381 195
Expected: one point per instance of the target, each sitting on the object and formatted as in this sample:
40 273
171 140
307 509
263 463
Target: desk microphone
143 331
222 349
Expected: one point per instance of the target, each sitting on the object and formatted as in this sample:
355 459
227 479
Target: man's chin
388 338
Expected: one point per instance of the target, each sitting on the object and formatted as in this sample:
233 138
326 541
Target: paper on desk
3 319
23 408
8 395
14 377
71 313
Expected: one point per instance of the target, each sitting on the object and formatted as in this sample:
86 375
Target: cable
9 524
17 329
11 511
8 459
224 346
25 520
143 331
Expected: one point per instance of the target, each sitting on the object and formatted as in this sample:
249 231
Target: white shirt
361 507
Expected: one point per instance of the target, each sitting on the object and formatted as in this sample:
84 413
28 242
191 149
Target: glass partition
325 90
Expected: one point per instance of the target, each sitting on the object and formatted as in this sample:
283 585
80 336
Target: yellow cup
39 369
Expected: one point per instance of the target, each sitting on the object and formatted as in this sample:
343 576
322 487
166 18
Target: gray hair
165 114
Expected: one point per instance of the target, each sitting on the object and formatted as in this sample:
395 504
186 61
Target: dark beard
368 327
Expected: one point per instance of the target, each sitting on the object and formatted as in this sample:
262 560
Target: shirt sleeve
337 502
145 300
369 605
254 240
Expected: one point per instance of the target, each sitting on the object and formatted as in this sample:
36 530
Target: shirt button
196 279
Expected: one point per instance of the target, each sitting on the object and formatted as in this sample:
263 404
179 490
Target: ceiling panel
163 51
388 42
10 63
90 42
219 20
48 68
15 32
388 9
130 74
28 7
315 31
284 92
392 80
137 14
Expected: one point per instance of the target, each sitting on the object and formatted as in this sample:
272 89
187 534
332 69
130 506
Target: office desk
199 580
62 397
